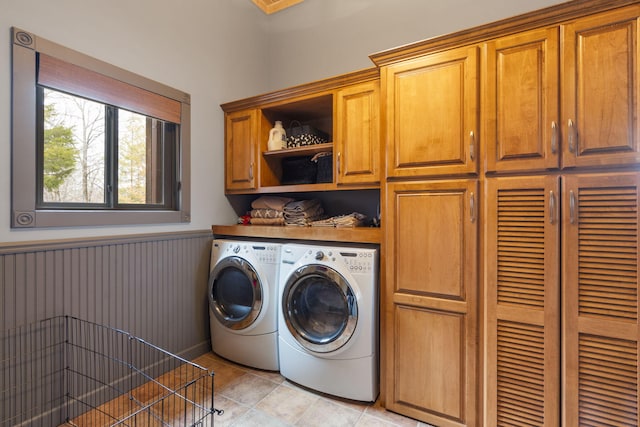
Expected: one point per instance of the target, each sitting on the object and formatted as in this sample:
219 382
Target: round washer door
235 293
319 308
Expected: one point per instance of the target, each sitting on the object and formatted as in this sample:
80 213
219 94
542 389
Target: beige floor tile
247 389
325 413
369 421
287 403
232 411
257 418
379 412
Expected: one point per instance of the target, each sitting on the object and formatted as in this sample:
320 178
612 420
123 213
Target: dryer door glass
235 293
320 308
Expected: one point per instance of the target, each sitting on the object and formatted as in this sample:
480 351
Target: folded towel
301 205
266 213
270 202
354 219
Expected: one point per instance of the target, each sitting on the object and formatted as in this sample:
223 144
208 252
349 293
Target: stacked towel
354 219
268 210
303 212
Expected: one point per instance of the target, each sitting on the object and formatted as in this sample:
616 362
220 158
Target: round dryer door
319 308
235 293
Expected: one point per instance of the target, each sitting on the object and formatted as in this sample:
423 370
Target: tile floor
251 397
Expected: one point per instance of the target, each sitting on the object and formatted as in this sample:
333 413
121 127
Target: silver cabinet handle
251 171
572 136
552 207
472 208
554 137
572 207
338 163
472 145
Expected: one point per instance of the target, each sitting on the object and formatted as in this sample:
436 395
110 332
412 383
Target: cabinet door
357 144
521 102
430 110
600 89
600 300
430 335
522 331
241 130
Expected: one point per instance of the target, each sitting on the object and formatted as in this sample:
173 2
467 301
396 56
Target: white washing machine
243 303
328 322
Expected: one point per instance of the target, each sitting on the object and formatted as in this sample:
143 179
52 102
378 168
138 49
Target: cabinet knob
552 207
338 163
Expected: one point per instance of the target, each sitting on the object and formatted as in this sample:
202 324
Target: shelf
308 150
346 235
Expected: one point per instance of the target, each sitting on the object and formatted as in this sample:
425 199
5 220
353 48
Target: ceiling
272 6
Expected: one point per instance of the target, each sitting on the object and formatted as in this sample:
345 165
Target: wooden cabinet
430 303
430 109
344 108
601 333
588 290
522 294
521 101
600 90
593 76
357 137
240 150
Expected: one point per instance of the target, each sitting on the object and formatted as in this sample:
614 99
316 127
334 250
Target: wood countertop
328 234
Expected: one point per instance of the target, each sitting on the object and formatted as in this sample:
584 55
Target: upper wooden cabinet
600 89
592 75
345 108
241 142
357 137
430 112
521 101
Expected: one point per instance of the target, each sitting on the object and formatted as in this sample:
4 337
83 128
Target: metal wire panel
66 370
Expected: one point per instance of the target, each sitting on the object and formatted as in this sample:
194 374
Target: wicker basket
299 170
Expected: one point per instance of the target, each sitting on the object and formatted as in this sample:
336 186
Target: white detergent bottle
277 137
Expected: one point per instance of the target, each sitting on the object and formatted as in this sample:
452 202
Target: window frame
24 204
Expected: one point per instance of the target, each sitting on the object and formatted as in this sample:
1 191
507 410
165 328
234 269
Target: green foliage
59 152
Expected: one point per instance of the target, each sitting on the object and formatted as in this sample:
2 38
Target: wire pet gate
67 371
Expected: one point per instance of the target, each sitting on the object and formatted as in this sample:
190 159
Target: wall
153 286
322 38
218 53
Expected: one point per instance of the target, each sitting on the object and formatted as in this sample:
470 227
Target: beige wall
223 50
321 38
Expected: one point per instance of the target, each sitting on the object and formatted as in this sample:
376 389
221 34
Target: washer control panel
359 261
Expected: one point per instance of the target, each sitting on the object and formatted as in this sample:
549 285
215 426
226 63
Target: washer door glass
319 308
235 293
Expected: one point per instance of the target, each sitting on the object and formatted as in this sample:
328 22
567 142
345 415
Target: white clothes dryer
243 303
328 322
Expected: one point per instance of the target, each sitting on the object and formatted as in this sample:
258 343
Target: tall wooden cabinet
556 285
430 108
431 291
561 290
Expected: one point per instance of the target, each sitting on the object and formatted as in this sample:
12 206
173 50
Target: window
93 144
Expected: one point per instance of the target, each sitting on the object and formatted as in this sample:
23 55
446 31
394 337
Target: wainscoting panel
153 286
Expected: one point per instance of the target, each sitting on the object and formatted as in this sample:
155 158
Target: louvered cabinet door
600 294
522 296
